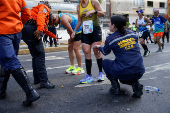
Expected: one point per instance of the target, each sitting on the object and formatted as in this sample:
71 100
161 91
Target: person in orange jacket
32 35
11 25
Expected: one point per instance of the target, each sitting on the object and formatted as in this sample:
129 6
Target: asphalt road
71 97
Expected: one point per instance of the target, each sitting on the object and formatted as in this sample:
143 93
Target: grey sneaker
159 50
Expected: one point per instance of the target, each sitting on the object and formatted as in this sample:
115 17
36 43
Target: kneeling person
128 65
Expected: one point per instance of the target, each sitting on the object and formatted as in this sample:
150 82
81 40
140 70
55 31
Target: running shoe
147 53
87 79
101 77
70 69
159 50
78 71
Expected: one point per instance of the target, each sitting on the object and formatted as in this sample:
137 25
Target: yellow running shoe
71 68
78 71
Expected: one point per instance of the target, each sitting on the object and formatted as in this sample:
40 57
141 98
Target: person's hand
137 25
37 33
143 25
89 13
73 34
70 40
58 38
166 31
96 46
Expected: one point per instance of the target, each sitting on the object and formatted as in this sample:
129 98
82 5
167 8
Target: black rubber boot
22 79
47 85
137 89
4 77
115 86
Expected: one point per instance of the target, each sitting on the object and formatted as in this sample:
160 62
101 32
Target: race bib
157 22
140 33
87 26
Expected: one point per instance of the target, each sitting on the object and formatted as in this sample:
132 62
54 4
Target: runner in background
141 24
159 22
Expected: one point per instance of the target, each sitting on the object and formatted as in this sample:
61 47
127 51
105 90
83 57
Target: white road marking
49 68
163 67
47 58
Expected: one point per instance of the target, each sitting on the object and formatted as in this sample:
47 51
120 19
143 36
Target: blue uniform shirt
128 59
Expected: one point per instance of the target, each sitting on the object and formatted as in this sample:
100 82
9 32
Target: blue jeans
36 49
9 47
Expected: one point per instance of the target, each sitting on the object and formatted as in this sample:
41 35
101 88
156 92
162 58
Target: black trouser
167 36
36 49
53 30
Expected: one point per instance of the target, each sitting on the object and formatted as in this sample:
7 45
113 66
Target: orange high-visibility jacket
41 13
10 20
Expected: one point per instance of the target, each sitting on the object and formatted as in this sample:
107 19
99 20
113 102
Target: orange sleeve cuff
50 34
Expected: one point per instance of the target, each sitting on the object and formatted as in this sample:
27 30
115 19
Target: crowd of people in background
84 31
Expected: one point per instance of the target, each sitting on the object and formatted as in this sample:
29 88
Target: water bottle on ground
150 88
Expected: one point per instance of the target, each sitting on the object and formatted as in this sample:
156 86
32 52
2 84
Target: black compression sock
88 66
99 63
145 47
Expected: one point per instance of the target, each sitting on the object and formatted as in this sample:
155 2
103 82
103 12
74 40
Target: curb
44 44
49 49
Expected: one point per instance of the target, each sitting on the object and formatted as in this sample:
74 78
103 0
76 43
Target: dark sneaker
159 50
152 42
144 53
147 53
137 89
162 45
115 86
47 85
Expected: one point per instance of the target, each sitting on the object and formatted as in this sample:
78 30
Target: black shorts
145 35
77 37
95 36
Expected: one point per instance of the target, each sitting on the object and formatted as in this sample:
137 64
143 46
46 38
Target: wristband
75 30
95 12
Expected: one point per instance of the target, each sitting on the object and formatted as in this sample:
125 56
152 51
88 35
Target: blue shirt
158 23
128 59
73 23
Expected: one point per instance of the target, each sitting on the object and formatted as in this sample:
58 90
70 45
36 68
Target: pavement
62 46
71 97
